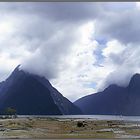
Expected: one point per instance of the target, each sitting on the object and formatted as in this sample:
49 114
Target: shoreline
86 117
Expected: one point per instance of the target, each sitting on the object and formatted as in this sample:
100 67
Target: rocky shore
67 128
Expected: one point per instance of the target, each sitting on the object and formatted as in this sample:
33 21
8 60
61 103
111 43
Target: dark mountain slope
114 100
33 95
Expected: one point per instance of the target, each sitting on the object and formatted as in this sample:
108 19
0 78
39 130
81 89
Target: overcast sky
80 48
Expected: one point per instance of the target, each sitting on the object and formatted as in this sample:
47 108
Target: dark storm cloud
73 11
122 26
61 11
117 21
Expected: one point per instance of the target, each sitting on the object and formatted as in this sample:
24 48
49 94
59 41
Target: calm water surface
87 117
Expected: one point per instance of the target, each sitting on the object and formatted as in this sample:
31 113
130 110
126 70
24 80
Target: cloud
59 12
78 65
50 56
122 25
122 64
79 47
52 43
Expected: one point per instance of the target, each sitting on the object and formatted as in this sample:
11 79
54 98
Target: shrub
80 124
10 112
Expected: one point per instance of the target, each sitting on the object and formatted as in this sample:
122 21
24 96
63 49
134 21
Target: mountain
114 100
31 94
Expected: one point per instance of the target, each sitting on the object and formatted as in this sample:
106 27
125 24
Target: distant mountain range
114 100
31 94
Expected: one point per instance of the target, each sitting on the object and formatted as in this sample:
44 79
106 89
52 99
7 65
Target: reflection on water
87 117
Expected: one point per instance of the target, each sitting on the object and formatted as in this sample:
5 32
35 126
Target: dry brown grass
63 128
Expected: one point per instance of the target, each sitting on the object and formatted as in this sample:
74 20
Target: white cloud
114 47
61 47
122 64
6 64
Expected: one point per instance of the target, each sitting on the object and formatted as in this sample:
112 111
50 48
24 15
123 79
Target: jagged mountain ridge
114 100
31 94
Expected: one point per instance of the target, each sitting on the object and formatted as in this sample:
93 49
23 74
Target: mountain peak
135 81
135 77
114 100
31 94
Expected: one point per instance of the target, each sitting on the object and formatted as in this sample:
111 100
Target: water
86 117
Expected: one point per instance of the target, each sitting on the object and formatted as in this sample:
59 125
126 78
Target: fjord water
86 117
